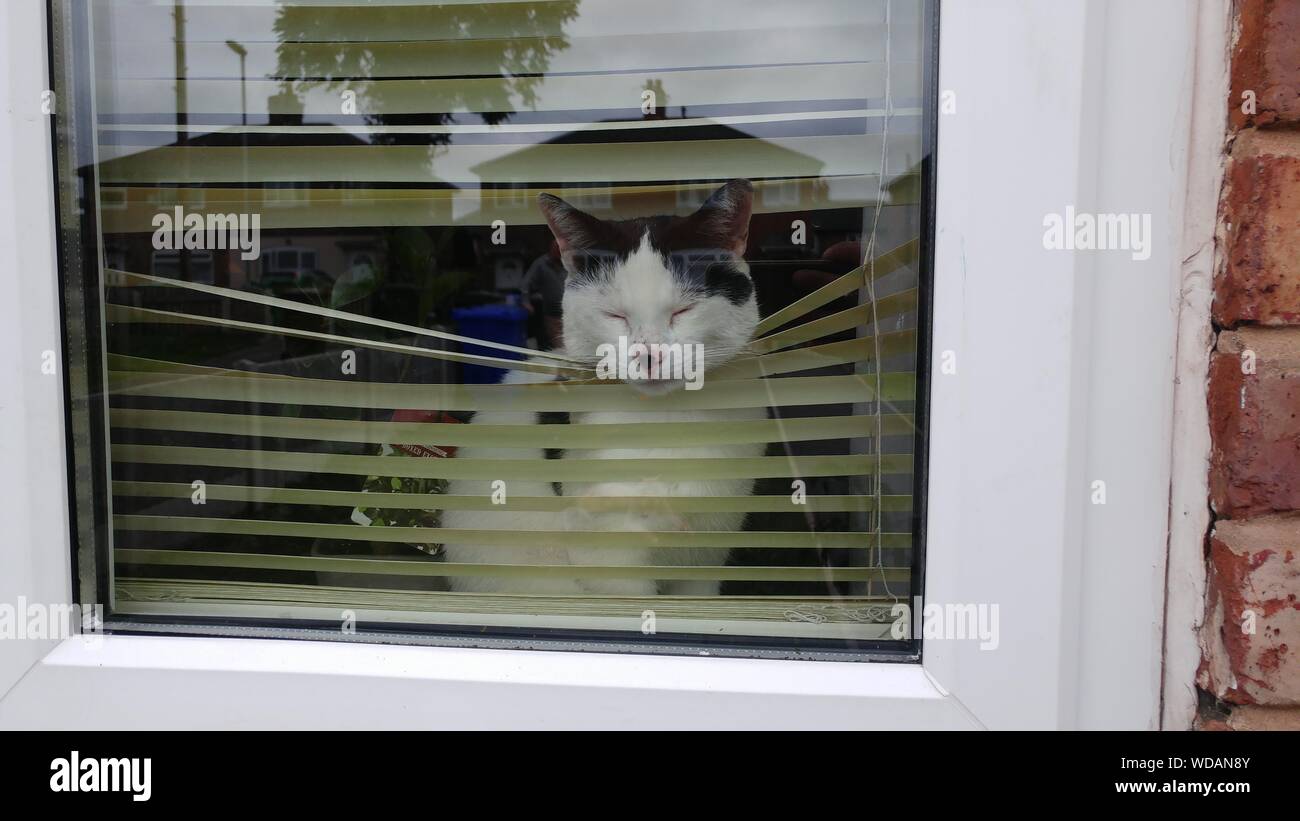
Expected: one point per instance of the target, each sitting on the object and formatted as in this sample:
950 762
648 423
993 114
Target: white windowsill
103 682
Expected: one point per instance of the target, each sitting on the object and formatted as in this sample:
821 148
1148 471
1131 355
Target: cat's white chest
682 452
674 482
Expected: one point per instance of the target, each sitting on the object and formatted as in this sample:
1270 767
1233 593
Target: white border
1065 375
1066 360
34 554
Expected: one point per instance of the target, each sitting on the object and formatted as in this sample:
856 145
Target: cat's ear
723 219
574 230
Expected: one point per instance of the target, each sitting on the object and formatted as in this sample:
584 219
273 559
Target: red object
435 451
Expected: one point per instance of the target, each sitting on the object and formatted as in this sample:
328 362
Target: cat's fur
628 269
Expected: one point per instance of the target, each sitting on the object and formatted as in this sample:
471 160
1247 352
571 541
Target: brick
1255 423
1260 210
1210 725
1266 60
1254 581
1250 717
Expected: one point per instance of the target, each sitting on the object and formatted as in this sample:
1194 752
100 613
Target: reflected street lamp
243 99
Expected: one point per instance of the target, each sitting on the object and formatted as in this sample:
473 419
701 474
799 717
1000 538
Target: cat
659 279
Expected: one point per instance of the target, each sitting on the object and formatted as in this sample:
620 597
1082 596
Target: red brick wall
1251 638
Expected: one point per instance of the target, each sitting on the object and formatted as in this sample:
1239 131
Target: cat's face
658 287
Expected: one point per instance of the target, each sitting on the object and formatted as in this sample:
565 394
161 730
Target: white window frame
1065 376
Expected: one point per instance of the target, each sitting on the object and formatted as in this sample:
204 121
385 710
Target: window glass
537 320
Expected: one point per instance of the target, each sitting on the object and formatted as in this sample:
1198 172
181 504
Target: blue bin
504 323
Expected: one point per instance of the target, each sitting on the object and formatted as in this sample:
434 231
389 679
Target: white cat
649 280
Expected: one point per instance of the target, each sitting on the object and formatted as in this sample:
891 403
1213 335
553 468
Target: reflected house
510 183
294 256
486 60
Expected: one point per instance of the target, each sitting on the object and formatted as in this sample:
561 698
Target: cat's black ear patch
574 230
724 279
712 272
723 219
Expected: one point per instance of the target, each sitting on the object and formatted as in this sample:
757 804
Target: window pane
562 319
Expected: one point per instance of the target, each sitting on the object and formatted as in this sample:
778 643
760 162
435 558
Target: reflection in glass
270 421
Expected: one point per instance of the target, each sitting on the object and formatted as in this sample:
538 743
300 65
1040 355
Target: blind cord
876 491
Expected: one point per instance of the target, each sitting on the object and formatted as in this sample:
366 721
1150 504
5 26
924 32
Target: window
288 263
289 432
1064 372
195 267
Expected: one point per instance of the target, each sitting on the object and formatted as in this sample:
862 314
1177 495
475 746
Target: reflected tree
484 58
497 53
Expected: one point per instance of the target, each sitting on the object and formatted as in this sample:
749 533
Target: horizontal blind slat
262 561
793 540
836 353
820 156
568 437
894 305
366 207
549 397
886 263
367 21
764 615
539 469
331 313
555 504
862 349
131 313
487 56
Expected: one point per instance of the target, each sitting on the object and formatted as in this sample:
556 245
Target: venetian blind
334 119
